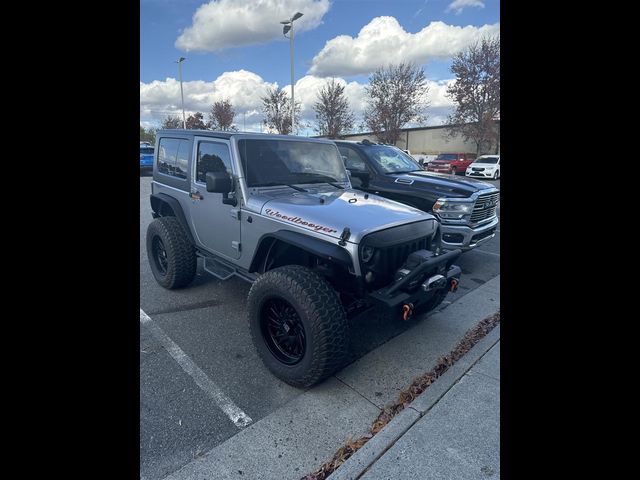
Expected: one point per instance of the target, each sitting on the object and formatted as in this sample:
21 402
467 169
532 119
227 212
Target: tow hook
454 285
407 311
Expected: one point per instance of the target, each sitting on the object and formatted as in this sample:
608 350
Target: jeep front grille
485 207
392 258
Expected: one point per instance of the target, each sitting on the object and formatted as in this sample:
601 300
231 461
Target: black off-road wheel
297 325
171 255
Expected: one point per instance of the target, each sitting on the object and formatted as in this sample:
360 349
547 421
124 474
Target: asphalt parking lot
206 324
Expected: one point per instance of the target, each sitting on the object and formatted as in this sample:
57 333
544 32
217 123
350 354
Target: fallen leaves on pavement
406 396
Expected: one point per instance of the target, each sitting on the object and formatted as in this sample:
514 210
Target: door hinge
236 246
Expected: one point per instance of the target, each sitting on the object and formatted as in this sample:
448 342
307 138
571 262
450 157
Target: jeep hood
444 184
362 213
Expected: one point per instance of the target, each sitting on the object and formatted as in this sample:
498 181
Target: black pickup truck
466 207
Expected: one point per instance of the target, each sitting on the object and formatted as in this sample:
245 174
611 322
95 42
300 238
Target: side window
182 159
167 153
212 157
352 160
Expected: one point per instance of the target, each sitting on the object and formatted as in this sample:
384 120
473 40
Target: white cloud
244 89
221 24
383 41
459 5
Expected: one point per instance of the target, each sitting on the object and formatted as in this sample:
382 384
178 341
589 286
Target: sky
235 50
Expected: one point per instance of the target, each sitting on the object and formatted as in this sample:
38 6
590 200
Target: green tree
171 122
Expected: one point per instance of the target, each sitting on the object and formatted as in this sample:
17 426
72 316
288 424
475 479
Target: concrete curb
366 456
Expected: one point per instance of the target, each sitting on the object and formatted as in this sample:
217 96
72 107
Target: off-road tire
319 310
181 258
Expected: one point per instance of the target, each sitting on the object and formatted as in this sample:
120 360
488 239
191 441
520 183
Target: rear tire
297 325
170 253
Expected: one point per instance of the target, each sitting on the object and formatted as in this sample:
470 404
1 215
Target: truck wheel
171 255
453 170
298 325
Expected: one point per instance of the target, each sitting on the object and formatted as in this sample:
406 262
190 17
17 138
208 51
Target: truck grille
485 207
392 258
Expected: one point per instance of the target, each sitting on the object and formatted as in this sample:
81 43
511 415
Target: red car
452 163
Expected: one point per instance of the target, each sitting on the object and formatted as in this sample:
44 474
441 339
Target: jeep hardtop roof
228 135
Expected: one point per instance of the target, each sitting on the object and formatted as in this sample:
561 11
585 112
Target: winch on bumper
421 277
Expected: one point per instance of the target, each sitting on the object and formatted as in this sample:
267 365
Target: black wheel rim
160 255
283 331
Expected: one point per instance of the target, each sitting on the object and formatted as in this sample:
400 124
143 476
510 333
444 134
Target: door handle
195 196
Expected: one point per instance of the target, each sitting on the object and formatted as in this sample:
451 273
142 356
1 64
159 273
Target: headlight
450 209
367 254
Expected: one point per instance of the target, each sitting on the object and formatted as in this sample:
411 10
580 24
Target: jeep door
215 224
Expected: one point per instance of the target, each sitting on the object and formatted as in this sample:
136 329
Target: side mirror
219 182
363 175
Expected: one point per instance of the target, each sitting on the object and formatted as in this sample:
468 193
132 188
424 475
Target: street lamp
288 25
179 62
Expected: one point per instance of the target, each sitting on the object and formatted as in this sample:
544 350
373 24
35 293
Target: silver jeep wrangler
279 212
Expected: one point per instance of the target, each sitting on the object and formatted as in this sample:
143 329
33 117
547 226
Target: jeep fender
164 205
320 248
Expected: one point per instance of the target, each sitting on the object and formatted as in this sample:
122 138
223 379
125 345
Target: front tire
297 325
453 170
496 175
171 255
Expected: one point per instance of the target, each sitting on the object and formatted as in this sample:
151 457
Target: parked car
279 212
424 159
466 207
485 166
453 163
146 158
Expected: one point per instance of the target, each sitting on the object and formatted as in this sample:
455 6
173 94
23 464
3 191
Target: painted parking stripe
237 416
488 253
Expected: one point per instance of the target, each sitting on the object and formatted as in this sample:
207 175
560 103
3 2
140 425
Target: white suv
485 166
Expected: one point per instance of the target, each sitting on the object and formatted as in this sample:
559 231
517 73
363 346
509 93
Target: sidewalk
298 437
452 435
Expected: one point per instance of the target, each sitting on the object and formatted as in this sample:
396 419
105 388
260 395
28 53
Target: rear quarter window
173 155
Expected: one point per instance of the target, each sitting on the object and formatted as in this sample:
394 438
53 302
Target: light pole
288 25
179 62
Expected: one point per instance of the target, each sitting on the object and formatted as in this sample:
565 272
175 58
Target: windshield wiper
277 184
326 179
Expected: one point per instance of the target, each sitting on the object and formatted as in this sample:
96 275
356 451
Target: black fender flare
321 248
161 202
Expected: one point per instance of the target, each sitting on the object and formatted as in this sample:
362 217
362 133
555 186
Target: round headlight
367 254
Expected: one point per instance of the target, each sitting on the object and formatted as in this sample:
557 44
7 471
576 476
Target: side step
222 270
217 269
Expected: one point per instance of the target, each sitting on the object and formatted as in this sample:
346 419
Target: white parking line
488 253
236 415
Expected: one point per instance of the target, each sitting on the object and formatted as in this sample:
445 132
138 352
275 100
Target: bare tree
476 93
276 106
171 122
397 95
222 115
333 115
196 122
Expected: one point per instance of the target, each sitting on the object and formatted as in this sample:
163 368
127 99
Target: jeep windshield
392 160
282 162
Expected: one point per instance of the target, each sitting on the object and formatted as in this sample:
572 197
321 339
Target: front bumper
465 237
484 174
394 296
